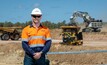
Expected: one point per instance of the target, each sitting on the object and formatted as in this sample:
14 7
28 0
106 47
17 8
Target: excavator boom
90 22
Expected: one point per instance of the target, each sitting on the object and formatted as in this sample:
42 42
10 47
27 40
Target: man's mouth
35 20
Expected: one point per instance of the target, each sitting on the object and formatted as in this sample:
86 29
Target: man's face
36 18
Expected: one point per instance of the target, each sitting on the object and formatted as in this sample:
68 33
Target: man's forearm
46 47
27 48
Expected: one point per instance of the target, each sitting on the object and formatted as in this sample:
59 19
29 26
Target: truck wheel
79 36
5 36
15 36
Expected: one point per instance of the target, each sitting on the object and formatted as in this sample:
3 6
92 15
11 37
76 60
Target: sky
53 10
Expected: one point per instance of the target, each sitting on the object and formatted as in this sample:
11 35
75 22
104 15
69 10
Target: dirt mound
56 33
96 36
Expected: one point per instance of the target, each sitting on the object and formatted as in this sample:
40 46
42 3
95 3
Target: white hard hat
36 11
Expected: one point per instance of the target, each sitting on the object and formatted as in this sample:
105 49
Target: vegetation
48 24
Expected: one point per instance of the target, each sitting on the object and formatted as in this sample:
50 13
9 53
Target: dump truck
71 35
12 33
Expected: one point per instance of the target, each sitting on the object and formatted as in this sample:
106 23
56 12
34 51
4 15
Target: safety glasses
36 16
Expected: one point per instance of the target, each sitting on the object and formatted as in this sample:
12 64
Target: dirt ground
11 52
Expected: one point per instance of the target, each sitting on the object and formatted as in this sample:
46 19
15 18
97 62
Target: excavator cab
71 35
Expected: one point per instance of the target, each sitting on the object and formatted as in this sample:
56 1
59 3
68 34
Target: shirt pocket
41 33
31 34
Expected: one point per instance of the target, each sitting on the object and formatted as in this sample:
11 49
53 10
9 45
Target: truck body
12 33
71 35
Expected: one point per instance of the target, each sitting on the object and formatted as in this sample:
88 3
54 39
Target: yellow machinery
71 35
12 33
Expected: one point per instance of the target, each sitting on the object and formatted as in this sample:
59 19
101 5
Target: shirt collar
39 26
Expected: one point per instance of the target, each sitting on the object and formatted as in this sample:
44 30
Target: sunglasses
36 16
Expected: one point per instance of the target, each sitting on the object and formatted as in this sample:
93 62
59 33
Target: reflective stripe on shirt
36 45
23 39
48 39
37 37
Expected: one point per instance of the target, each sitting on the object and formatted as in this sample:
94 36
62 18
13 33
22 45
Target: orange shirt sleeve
24 35
48 35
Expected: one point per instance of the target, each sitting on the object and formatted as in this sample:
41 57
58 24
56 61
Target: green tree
1 24
17 24
8 24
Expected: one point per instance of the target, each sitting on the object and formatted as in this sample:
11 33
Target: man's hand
37 55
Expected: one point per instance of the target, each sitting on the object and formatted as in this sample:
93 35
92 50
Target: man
36 40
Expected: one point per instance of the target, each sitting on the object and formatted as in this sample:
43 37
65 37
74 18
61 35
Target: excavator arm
89 22
83 15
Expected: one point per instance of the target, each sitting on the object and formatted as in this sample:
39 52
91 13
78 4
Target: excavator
71 33
91 25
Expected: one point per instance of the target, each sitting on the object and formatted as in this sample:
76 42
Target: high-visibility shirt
36 37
